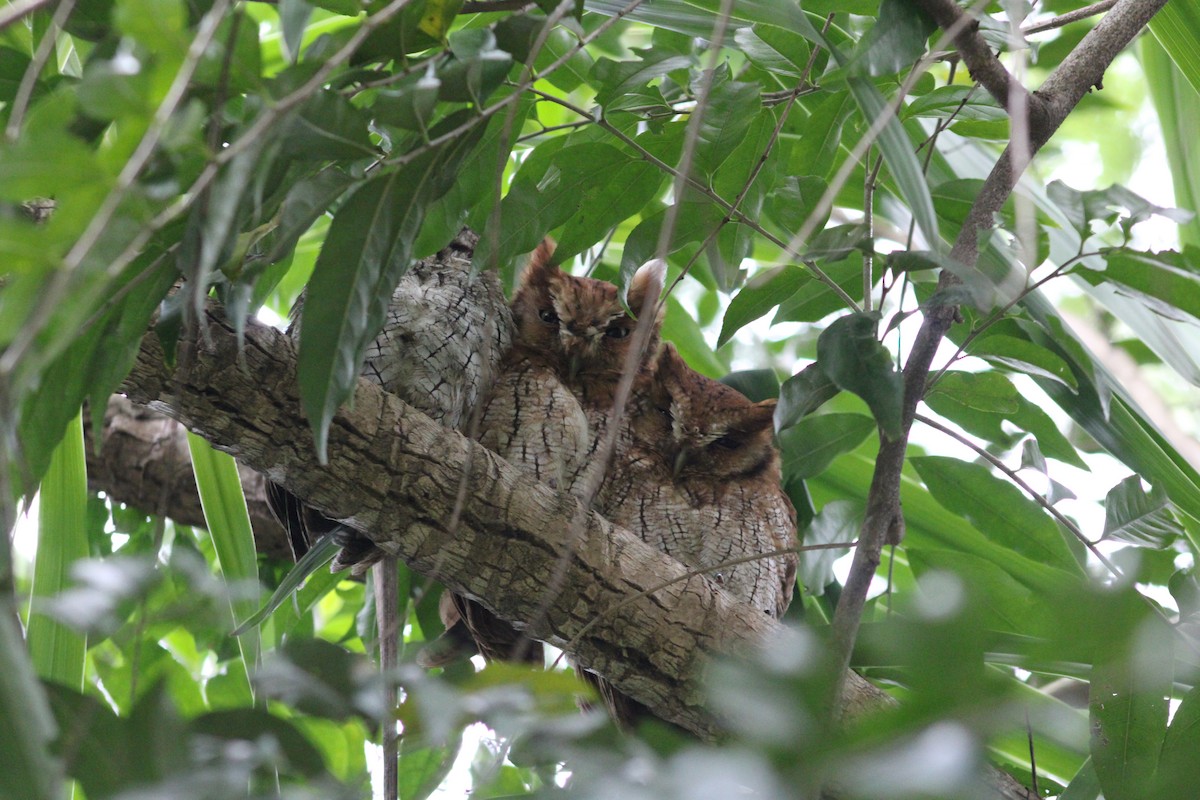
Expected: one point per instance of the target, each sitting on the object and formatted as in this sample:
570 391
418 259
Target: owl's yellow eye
617 332
548 316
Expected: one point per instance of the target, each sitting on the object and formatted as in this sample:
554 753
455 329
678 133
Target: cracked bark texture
395 474
143 461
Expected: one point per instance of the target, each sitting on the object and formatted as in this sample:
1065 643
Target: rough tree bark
143 461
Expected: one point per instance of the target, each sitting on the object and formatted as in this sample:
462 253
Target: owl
551 402
444 336
699 478
702 474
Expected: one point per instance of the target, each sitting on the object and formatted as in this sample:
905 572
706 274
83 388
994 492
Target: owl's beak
573 366
681 460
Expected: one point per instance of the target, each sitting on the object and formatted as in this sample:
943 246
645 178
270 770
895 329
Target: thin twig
490 6
20 9
1036 496
1069 17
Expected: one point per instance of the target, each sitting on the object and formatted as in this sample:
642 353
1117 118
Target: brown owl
551 402
699 478
702 475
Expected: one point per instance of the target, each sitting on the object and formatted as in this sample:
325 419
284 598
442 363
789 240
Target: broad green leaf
1140 517
801 394
794 199
535 206
959 102
422 769
411 103
1177 27
997 508
839 521
1128 705
759 296
897 39
478 67
732 107
252 724
57 652
820 135
1176 774
603 205
849 353
326 128
756 384
1167 282
26 724
981 391
1085 785
810 445
615 79
776 50
319 555
93 364
1178 105
1023 356
228 524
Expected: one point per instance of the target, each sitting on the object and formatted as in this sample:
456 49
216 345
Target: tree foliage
826 183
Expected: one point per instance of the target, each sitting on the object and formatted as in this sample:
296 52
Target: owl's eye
727 443
548 316
666 413
617 332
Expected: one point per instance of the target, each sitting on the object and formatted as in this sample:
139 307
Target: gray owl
446 330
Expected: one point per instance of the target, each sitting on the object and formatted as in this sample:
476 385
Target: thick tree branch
395 474
981 62
143 461
1062 91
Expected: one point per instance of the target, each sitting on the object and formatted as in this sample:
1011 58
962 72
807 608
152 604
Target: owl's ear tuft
541 263
758 417
647 282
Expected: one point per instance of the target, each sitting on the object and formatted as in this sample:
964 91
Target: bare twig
1069 17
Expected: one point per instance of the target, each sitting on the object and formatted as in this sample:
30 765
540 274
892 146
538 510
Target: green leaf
1022 356
732 107
1167 283
997 508
776 50
1140 517
478 67
820 136
422 769
366 252
326 128
839 521
958 102
810 445
897 39
602 205
758 297
815 300
319 555
228 523
849 353
1176 27
26 723
801 394
56 651
1176 774
1128 709
756 384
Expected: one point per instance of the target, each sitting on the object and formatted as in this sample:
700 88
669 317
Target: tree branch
143 461
981 62
1083 68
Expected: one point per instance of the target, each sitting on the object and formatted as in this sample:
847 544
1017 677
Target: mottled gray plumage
446 331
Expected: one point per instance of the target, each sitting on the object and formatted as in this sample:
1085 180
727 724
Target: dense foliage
804 172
